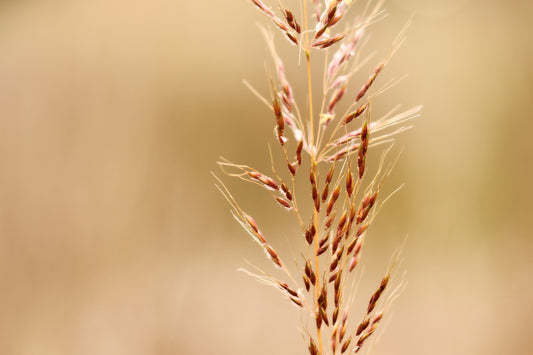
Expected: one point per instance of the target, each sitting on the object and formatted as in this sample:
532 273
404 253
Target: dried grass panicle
340 209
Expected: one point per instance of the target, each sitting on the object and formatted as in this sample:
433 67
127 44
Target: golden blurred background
114 240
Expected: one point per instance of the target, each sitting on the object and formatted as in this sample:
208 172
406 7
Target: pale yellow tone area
113 239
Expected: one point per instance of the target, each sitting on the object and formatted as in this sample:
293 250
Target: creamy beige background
113 239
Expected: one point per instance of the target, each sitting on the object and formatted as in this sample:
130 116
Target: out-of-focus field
114 240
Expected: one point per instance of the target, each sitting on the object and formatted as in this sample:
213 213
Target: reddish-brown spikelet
292 168
366 205
309 272
342 222
369 200
280 121
325 43
280 24
344 323
371 329
363 325
265 180
369 82
296 301
291 21
323 297
324 316
349 183
335 316
316 198
361 155
283 202
318 320
361 230
251 222
299 149
307 283
325 193
356 255
334 339
289 290
313 350
327 21
375 297
333 199
324 240
339 93
321 250
346 345
351 246
355 114
337 284
286 191
329 221
310 233
253 225
292 37
273 255
334 263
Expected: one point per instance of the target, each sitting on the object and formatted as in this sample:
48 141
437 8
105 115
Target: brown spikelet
325 43
345 345
351 246
286 191
321 250
362 325
265 180
356 252
324 316
375 297
292 168
324 240
299 149
316 198
292 37
334 339
310 273
289 290
313 350
349 183
329 221
318 320
323 297
339 93
283 202
325 193
371 329
333 199
273 255
291 21
369 82
310 233
333 275
338 293
296 301
338 279
344 324
354 114
366 205
361 154
361 230
335 315
307 282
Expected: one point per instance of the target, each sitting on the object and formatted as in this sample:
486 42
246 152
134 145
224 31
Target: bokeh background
114 240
